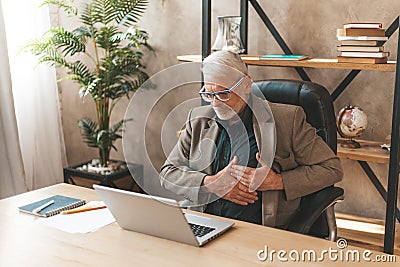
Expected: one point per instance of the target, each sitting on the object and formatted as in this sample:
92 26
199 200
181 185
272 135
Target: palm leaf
79 68
103 139
118 126
113 132
84 33
90 88
129 11
67 41
89 131
87 16
103 11
105 38
66 5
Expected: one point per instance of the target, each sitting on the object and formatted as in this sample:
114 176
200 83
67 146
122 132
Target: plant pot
121 179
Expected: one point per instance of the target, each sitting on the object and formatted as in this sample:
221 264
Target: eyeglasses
223 95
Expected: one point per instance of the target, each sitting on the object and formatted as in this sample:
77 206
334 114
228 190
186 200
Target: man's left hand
262 178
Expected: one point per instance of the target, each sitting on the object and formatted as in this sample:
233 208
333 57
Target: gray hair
223 64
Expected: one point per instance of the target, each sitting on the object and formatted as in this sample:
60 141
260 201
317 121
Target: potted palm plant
103 55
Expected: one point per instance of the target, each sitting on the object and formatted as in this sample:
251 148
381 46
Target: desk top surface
24 242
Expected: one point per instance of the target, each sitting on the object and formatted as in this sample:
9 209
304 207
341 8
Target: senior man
240 149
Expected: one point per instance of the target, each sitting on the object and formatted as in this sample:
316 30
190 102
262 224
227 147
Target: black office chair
316 216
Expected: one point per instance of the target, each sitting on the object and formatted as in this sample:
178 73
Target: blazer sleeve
176 174
317 165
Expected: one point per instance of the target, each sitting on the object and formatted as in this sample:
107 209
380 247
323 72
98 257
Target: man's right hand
240 195
226 186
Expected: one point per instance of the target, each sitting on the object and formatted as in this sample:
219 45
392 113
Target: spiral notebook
52 205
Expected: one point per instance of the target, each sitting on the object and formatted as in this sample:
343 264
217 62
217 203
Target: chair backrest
317 104
312 97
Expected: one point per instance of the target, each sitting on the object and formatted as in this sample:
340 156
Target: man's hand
226 186
241 195
262 178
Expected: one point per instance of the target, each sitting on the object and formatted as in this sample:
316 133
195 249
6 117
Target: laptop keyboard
200 230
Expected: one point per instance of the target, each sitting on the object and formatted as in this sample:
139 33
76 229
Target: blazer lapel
209 138
263 122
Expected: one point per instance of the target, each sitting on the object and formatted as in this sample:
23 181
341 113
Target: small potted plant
103 55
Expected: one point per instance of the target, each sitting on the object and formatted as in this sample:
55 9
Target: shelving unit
369 153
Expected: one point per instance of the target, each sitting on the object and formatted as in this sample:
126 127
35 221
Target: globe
351 122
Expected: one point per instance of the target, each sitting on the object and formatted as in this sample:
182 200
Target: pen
82 210
38 209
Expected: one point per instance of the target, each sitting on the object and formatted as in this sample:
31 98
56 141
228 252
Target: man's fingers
241 195
239 168
241 171
233 197
244 177
239 199
237 174
246 196
238 202
245 189
234 161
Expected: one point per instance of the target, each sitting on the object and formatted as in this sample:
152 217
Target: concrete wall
308 26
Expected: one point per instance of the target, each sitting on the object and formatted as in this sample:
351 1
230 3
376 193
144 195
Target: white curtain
12 177
35 94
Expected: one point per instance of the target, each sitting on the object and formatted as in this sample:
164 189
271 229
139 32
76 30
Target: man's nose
216 102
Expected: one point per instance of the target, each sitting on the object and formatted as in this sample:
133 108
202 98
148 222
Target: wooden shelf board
323 63
370 151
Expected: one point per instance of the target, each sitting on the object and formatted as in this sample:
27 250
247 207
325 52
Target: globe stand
350 143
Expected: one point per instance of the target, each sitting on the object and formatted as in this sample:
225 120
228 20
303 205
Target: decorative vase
228 36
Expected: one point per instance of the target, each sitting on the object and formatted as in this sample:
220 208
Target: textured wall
308 26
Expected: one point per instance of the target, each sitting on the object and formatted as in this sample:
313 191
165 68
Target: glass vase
228 36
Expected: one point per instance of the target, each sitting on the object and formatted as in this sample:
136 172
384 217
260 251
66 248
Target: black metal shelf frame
390 196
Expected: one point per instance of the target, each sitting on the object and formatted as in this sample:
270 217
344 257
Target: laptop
160 217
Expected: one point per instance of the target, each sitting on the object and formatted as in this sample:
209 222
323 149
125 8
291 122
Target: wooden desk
24 242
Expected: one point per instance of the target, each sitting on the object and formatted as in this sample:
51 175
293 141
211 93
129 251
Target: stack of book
362 43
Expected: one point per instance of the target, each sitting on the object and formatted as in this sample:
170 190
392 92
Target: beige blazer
304 160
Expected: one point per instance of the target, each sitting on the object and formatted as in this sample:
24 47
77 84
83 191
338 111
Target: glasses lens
223 96
207 97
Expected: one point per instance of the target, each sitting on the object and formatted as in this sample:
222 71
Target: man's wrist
207 180
274 181
279 181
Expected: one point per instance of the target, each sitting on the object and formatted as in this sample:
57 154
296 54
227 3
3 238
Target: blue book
283 57
52 205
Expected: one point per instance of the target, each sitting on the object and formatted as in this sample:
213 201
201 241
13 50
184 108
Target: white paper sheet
82 222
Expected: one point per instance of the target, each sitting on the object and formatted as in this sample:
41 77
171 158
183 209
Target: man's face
226 110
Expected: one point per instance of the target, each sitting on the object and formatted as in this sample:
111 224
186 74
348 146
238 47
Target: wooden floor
364 232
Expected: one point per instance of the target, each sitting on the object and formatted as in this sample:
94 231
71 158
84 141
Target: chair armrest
312 207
